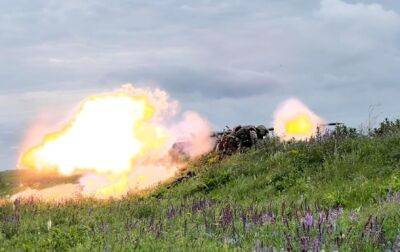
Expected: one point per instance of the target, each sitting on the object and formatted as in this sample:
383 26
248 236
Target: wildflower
268 217
334 214
308 220
49 224
316 245
200 205
226 216
244 222
172 212
353 215
321 219
256 218
304 243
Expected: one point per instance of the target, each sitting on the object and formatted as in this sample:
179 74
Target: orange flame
106 134
118 142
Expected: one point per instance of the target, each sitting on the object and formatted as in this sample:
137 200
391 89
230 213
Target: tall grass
338 191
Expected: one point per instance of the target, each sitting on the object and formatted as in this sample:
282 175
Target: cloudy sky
232 61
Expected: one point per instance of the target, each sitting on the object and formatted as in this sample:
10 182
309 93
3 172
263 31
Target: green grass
336 192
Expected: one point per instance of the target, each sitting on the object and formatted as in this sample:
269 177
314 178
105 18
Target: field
337 191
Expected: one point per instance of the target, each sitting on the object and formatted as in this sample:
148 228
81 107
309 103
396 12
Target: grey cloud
208 82
233 61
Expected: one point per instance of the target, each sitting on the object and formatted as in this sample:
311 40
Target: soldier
261 131
240 138
228 144
247 136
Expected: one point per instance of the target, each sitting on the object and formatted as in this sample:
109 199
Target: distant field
16 180
339 191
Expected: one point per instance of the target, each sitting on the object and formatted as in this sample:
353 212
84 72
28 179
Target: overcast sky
232 61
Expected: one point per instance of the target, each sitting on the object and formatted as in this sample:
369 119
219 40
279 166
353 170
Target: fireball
106 134
300 125
118 142
293 120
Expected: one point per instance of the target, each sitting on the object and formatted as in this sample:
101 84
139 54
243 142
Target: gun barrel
333 124
327 124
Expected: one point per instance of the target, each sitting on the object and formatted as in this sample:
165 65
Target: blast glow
101 136
293 120
120 142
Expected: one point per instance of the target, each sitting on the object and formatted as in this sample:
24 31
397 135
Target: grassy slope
330 194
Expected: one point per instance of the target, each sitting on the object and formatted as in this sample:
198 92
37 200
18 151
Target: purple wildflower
304 243
308 220
316 245
201 205
268 217
226 216
334 214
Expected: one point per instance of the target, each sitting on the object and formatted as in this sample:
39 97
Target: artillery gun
240 137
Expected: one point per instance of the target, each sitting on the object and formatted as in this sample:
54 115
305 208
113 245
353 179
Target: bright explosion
120 142
293 120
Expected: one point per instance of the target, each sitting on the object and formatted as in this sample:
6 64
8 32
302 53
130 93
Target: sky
232 61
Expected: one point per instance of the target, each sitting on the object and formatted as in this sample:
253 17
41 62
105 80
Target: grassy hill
338 191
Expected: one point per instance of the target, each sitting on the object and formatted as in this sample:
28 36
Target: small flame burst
119 143
293 120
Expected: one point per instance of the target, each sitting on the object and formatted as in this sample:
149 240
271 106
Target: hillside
337 191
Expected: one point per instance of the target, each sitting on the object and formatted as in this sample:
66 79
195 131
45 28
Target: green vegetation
337 191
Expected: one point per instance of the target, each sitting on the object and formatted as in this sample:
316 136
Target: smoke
121 142
55 193
194 132
166 108
294 120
